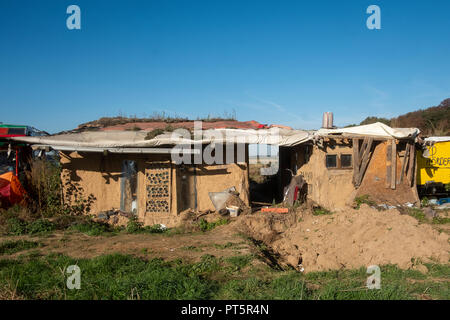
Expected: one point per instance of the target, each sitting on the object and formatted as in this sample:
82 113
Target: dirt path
223 241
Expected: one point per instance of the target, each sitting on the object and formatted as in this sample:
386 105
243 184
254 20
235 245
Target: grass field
122 276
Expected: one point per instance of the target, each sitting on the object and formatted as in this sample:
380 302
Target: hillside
433 121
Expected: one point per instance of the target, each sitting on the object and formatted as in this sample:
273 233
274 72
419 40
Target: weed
40 226
240 262
206 226
425 202
92 228
191 248
363 199
16 226
10 247
418 214
135 226
154 133
440 220
226 245
321 211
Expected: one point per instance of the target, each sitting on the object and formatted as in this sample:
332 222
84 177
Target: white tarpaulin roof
375 129
136 139
95 140
437 139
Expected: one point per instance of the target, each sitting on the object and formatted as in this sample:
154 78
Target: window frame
338 161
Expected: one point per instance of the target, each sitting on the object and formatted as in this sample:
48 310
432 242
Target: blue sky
280 62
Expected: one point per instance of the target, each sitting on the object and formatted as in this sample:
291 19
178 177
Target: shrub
92 228
40 226
45 187
135 226
16 226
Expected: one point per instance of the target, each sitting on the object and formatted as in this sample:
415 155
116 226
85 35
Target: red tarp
11 190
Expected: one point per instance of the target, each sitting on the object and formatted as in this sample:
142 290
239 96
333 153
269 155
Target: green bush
135 226
40 226
16 226
92 228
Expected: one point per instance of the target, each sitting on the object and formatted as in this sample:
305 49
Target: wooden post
405 162
356 162
394 164
412 165
388 164
364 160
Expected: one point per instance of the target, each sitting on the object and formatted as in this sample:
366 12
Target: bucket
233 211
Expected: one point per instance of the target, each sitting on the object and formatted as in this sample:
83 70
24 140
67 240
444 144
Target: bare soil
223 241
349 239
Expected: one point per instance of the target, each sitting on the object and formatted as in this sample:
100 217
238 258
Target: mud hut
156 174
342 164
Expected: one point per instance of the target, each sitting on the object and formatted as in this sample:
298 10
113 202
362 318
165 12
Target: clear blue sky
272 61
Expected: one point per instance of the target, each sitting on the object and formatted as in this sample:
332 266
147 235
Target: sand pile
349 239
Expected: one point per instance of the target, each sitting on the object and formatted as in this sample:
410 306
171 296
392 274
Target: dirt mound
349 239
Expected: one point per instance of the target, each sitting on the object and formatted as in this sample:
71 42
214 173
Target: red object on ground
275 210
11 190
296 193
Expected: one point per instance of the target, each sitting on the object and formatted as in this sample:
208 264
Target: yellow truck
433 167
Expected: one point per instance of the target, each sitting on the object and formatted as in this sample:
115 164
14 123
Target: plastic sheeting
11 190
272 136
437 139
375 129
115 139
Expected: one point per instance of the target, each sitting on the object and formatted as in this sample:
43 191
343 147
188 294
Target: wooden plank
412 165
355 160
365 161
361 151
405 162
388 165
393 164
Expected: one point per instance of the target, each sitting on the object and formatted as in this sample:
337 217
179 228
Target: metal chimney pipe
327 120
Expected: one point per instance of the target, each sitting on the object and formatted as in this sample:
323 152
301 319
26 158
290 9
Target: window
331 161
346 160
338 161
